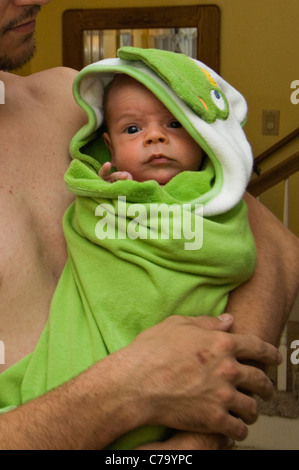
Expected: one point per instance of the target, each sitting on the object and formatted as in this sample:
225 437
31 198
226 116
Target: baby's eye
132 129
175 124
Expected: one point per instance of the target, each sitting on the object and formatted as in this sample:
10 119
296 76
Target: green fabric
113 288
193 83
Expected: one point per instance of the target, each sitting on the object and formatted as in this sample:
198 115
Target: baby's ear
108 143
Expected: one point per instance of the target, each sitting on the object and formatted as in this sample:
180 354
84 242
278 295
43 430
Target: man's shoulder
53 89
56 73
55 80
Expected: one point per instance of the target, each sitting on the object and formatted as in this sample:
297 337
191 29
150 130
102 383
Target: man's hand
192 379
183 373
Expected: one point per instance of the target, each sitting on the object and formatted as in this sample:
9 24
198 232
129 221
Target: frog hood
210 109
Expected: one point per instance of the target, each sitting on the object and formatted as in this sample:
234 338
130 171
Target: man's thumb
222 322
226 319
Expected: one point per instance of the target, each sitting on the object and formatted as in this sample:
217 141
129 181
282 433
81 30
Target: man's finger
245 407
253 348
231 426
255 381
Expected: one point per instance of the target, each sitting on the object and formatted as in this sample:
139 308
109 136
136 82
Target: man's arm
181 374
262 305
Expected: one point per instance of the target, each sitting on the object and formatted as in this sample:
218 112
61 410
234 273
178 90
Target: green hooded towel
139 252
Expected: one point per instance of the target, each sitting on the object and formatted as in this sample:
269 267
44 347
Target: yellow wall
259 53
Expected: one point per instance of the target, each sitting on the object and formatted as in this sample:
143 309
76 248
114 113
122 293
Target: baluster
282 369
96 45
87 47
286 203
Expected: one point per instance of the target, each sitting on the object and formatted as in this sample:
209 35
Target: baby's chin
162 181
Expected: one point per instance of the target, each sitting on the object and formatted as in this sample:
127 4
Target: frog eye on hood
218 99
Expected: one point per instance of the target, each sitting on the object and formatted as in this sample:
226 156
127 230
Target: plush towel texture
123 273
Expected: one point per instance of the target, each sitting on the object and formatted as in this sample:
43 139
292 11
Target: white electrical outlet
270 122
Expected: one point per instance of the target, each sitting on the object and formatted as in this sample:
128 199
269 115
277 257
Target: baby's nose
156 135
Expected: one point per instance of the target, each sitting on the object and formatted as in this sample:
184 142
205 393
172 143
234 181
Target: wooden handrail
274 176
287 139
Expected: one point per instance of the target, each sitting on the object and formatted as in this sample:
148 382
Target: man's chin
9 64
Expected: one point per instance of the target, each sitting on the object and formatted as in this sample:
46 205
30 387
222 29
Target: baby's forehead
122 82
123 79
119 84
125 90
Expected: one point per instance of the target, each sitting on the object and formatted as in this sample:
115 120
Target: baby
145 140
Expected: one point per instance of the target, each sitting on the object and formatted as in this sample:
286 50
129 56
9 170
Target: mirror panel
92 34
102 44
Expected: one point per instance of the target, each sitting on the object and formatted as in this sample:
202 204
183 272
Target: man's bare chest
33 199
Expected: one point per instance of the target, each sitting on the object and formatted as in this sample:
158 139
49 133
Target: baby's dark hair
118 79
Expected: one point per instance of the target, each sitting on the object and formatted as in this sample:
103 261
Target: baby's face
143 136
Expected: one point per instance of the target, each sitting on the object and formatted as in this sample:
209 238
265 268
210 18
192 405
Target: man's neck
8 76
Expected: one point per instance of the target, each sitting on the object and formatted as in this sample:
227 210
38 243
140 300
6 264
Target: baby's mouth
159 159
